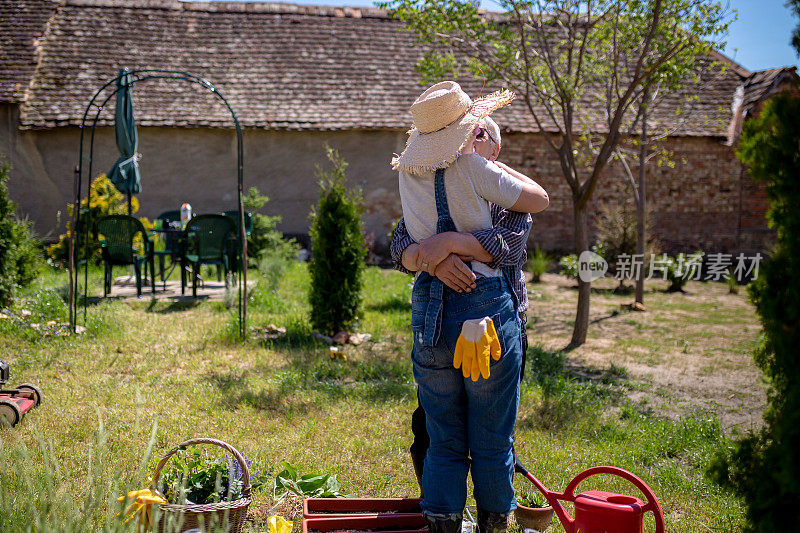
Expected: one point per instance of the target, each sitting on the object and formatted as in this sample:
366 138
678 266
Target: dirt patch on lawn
688 354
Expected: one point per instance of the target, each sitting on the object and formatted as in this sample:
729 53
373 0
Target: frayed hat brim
426 152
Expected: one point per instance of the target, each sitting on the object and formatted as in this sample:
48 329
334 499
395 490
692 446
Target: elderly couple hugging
466 219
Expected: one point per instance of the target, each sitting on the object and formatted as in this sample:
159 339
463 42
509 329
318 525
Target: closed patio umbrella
125 172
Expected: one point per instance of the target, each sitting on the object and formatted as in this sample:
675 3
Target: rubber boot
492 522
419 464
444 525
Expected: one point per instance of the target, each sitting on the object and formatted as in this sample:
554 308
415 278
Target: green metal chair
233 252
117 236
248 220
206 241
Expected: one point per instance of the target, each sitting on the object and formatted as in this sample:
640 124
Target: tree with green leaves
764 467
105 200
19 254
565 59
338 251
644 142
795 6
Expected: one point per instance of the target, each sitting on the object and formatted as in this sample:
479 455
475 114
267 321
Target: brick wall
705 202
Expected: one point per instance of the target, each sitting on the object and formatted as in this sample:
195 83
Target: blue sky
761 34
758 40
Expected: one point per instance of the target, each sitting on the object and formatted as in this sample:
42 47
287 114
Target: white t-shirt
471 182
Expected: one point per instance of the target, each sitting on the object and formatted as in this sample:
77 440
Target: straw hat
444 119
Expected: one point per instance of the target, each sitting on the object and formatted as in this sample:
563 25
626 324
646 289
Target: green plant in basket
189 478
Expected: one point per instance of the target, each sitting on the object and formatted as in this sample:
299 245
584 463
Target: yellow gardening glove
458 356
494 344
481 366
141 500
465 354
476 344
278 524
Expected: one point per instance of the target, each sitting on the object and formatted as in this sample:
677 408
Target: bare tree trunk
581 327
641 204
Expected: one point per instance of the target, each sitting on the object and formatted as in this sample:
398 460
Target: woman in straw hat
505 242
470 401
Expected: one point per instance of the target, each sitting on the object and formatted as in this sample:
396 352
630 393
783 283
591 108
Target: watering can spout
552 498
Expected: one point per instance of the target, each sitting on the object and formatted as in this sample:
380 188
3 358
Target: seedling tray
377 522
336 507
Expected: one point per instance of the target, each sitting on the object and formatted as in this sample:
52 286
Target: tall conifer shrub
19 255
764 467
338 251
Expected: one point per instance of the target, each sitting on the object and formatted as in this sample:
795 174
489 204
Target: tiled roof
281 66
756 88
760 84
22 23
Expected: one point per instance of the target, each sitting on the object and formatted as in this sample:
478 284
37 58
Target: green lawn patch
147 375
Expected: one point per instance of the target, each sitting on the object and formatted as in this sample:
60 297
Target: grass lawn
655 393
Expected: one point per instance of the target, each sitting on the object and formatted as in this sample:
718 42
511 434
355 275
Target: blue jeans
468 422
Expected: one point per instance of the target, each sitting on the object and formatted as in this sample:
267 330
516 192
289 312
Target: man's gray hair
493 129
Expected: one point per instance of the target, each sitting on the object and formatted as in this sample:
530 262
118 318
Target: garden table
168 243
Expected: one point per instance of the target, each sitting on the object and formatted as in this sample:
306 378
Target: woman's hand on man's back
454 273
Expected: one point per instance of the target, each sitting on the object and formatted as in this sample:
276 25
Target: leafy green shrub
763 467
616 225
19 256
617 229
733 285
272 265
677 273
569 263
288 481
105 200
538 263
338 251
264 236
569 266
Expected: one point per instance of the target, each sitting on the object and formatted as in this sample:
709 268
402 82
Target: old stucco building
299 77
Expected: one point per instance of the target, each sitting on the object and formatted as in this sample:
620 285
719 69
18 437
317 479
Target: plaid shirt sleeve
401 240
505 241
507 237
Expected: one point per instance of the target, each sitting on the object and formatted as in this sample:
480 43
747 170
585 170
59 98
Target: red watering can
597 511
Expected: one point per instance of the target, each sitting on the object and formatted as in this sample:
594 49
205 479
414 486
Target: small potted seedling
532 512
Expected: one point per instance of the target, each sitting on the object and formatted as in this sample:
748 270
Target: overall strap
433 311
444 222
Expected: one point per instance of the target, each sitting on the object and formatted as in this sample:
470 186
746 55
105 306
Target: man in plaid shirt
505 242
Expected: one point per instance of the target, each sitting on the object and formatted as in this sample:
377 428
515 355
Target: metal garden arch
142 75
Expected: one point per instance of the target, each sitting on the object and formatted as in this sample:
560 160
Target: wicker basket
207 516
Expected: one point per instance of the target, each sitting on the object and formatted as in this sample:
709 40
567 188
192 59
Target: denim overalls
468 422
